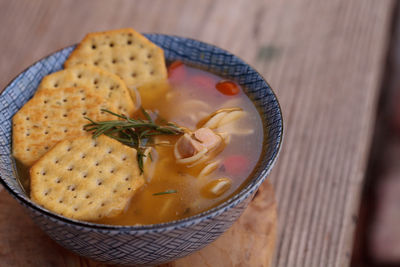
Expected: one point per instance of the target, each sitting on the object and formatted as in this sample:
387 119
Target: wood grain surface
249 242
323 58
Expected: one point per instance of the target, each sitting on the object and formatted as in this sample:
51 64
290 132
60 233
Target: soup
118 138
175 190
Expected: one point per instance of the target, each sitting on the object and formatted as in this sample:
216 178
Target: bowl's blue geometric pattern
150 244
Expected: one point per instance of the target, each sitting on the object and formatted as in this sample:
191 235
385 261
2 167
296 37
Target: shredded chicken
203 139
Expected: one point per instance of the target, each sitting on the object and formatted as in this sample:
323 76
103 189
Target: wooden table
323 58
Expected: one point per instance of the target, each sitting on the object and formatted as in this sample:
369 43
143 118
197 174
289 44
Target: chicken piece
207 138
202 139
187 146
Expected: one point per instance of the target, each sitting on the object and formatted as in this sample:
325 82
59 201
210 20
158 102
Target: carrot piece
236 164
176 71
227 88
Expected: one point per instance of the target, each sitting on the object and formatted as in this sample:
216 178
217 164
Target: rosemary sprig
136 133
173 191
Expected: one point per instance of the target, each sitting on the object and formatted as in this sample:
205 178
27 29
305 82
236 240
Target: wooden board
323 58
249 242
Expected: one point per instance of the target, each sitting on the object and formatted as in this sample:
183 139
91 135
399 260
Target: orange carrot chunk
227 88
176 71
236 164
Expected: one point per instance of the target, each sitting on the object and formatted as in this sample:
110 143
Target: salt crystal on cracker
86 178
123 52
51 116
104 83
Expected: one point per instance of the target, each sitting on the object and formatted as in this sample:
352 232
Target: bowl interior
195 53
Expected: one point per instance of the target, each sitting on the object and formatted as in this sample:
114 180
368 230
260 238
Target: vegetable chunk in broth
192 172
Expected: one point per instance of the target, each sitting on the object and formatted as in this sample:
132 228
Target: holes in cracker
87 196
45 101
134 74
149 56
65 115
27 118
84 175
94 46
132 58
96 163
65 130
84 112
70 168
152 72
79 75
69 148
60 201
96 63
71 187
95 81
58 180
83 155
65 100
46 192
95 144
111 44
75 209
46 147
28 149
127 178
46 132
99 182
114 61
129 42
27 134
83 98
123 158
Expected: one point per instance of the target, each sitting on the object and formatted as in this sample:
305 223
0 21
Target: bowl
157 243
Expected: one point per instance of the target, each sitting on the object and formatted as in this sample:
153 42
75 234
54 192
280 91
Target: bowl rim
231 202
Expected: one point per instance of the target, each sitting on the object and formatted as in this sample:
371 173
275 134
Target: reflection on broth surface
174 189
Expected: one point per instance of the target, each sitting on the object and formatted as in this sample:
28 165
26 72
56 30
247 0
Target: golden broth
186 100
190 98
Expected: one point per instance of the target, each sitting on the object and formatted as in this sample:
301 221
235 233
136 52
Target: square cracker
106 84
51 116
123 52
86 178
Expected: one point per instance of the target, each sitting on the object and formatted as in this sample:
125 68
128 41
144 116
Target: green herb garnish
165 192
136 133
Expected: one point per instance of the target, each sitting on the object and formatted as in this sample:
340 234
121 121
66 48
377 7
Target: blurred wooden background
323 58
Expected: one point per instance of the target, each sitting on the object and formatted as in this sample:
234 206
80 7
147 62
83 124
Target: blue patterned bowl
149 244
